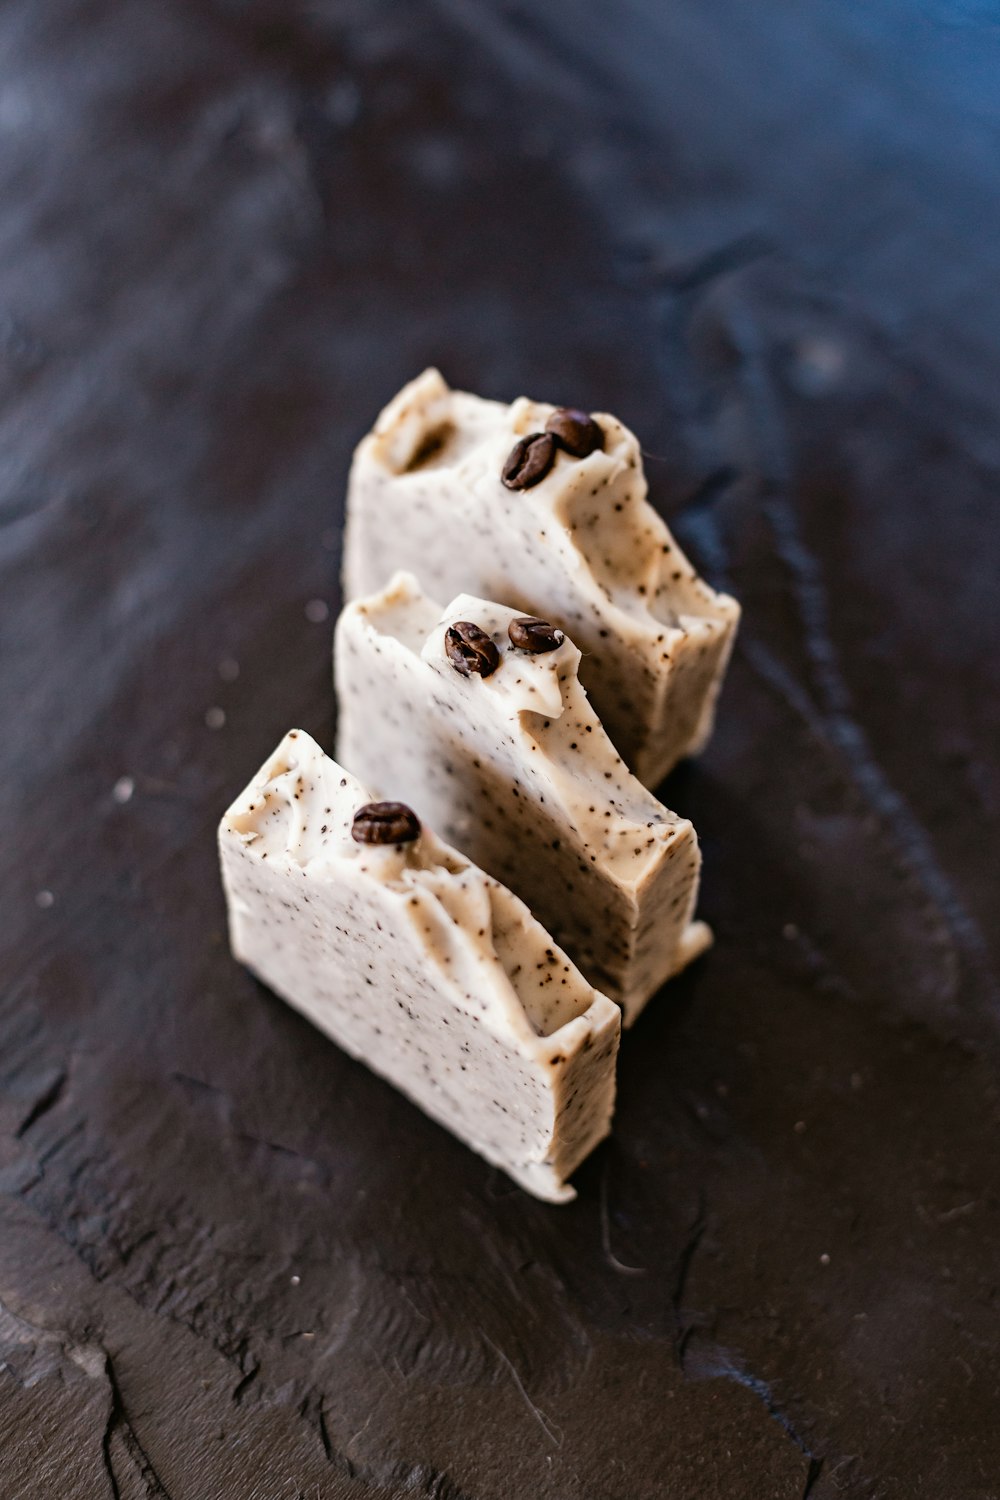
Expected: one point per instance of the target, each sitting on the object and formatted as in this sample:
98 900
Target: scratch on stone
380 1362
553 1434
409 1300
361 1431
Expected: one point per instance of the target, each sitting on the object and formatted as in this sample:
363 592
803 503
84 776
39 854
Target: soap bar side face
583 548
585 1095
315 951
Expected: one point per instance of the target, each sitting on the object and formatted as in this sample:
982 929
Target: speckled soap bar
446 485
497 745
419 965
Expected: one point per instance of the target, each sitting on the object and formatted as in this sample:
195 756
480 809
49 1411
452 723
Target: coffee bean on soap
470 650
385 823
529 461
575 431
529 633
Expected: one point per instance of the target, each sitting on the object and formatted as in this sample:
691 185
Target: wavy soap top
482 942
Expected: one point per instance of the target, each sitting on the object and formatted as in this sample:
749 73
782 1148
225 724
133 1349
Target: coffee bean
529 461
385 823
531 634
575 431
470 650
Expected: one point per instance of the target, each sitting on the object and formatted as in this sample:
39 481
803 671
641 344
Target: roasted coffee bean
385 823
575 431
470 650
529 461
531 634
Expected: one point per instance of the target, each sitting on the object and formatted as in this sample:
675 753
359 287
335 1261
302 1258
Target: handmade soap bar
478 719
419 965
456 489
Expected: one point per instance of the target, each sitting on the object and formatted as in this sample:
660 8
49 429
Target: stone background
234 1265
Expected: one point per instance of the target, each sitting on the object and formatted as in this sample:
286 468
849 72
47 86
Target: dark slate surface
233 1264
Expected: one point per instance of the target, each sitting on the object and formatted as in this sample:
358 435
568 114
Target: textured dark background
232 1263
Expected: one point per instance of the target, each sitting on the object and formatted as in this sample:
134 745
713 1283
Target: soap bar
574 540
419 965
497 746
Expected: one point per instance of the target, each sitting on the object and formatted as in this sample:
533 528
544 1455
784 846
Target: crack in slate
118 1419
849 737
719 1364
695 1233
530 51
840 726
242 1386
59 1144
106 1452
324 1437
729 1370
46 1101
697 525
189 1081
812 1474
722 260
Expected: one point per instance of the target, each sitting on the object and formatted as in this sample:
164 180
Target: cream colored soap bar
515 769
422 967
582 547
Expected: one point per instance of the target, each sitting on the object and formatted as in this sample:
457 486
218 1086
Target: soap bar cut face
581 546
420 966
511 764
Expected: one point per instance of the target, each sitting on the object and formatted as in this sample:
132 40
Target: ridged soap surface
516 770
421 966
582 547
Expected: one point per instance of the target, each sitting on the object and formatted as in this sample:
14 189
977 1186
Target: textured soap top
579 544
515 768
419 964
